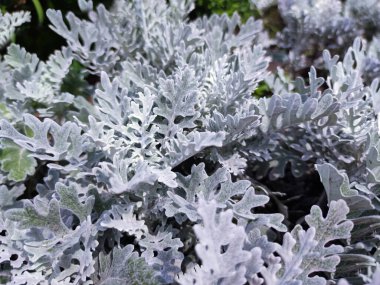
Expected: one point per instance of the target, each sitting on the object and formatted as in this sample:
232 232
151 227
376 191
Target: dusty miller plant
154 177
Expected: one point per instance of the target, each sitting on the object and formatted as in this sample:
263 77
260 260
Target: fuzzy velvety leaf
69 200
30 217
122 219
238 196
123 267
16 161
9 196
9 22
161 252
337 187
306 252
182 147
177 102
219 248
49 141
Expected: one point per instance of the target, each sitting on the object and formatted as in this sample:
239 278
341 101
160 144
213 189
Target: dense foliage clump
158 146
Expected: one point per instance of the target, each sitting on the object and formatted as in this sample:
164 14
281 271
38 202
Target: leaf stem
39 11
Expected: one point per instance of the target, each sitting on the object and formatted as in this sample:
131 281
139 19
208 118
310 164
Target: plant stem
39 11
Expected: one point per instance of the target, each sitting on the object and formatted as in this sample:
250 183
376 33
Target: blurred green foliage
207 7
262 90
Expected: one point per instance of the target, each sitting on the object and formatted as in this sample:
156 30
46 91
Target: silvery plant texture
161 170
